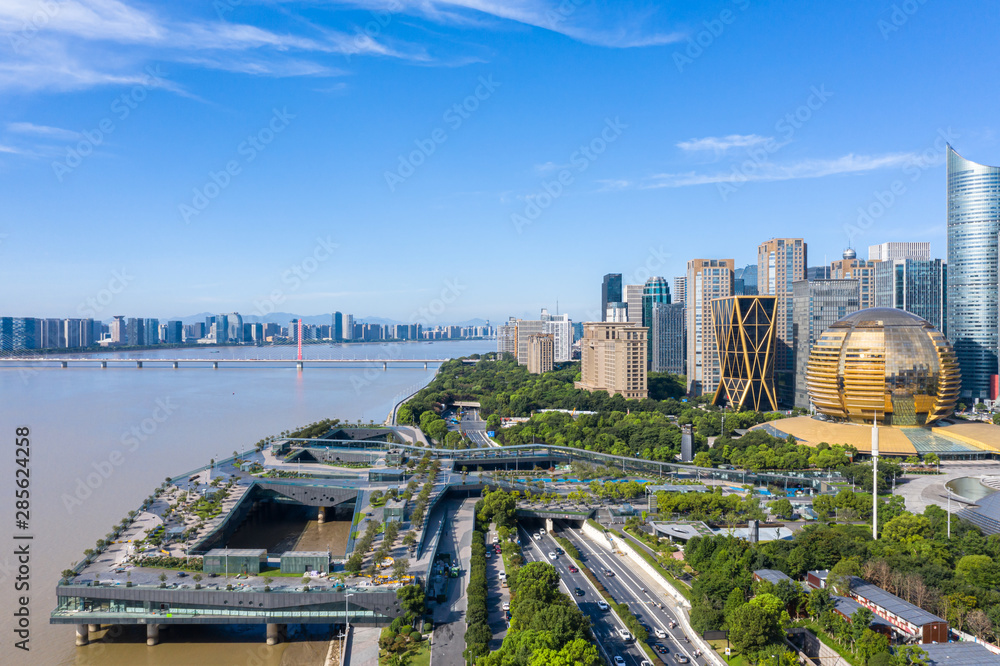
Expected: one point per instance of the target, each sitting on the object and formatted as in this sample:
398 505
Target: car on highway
541 532
579 592
662 649
681 659
573 569
646 662
609 573
673 623
624 634
538 537
603 606
488 554
619 660
552 555
659 633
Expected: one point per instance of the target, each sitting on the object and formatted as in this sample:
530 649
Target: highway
603 623
473 427
633 586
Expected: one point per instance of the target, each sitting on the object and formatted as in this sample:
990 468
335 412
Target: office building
918 286
540 353
507 337
667 333
899 251
680 288
656 290
152 330
51 334
71 333
633 298
175 332
973 226
135 332
707 279
524 329
119 332
611 291
617 312
817 305
348 327
337 328
614 359
560 327
852 268
818 273
745 281
745 328
19 333
780 262
87 338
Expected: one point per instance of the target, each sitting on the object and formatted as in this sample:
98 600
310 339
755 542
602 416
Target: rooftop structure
908 619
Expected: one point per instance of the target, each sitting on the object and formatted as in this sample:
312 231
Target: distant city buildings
540 353
852 268
614 359
899 251
918 286
707 279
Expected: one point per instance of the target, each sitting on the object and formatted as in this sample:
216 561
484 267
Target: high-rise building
611 291
560 327
918 286
747 341
973 226
540 351
526 328
87 338
338 327
707 279
151 327
817 305
51 334
667 333
818 273
26 333
745 280
119 330
71 332
135 332
175 332
680 288
780 262
852 268
614 359
656 290
6 335
617 312
349 327
894 251
633 298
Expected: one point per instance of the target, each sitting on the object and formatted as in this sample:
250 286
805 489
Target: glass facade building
883 363
667 332
656 290
745 331
973 225
611 292
817 305
915 285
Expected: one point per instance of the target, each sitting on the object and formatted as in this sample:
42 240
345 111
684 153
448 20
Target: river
102 440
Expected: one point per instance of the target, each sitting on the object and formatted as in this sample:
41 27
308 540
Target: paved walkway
449 617
921 491
362 647
496 595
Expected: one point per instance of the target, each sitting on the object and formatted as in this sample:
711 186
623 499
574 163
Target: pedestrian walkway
362 647
449 617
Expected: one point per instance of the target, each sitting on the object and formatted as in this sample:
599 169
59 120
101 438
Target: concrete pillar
104 364
298 364
274 634
385 365
65 364
425 365
176 365
152 634
82 635
215 364
322 515
138 364
95 627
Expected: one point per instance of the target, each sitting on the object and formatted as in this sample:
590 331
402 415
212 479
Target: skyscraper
667 333
134 332
745 280
507 337
744 329
613 359
151 328
918 286
560 327
633 298
780 262
337 332
611 291
817 305
680 288
119 332
540 350
893 251
973 225
852 268
349 327
707 279
616 312
175 334
656 290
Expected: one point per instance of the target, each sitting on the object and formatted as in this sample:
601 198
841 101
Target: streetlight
347 617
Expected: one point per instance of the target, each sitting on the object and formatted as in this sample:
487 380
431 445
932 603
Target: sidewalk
449 617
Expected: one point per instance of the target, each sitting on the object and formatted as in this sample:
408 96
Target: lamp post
347 617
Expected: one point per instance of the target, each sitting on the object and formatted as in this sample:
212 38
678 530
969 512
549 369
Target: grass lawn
419 655
720 647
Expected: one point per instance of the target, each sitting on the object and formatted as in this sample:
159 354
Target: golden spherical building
883 363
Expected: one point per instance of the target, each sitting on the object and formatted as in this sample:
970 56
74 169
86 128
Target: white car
552 555
646 662
496 539
538 537
659 633
541 532
505 606
602 606
624 634
619 660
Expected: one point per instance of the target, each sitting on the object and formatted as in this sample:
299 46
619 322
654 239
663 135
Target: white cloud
766 171
721 144
43 131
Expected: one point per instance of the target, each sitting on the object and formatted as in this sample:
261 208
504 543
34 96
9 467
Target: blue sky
463 158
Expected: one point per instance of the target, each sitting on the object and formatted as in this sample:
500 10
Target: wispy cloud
767 171
720 144
43 131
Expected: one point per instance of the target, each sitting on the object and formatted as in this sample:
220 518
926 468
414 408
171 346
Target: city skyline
249 158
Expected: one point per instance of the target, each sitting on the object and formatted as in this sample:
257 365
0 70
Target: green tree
906 529
979 570
578 652
782 507
820 602
702 459
870 644
411 599
752 627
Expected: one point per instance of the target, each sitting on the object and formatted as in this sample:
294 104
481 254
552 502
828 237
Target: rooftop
959 654
893 604
772 575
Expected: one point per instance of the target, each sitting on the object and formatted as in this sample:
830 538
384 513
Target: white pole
875 477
